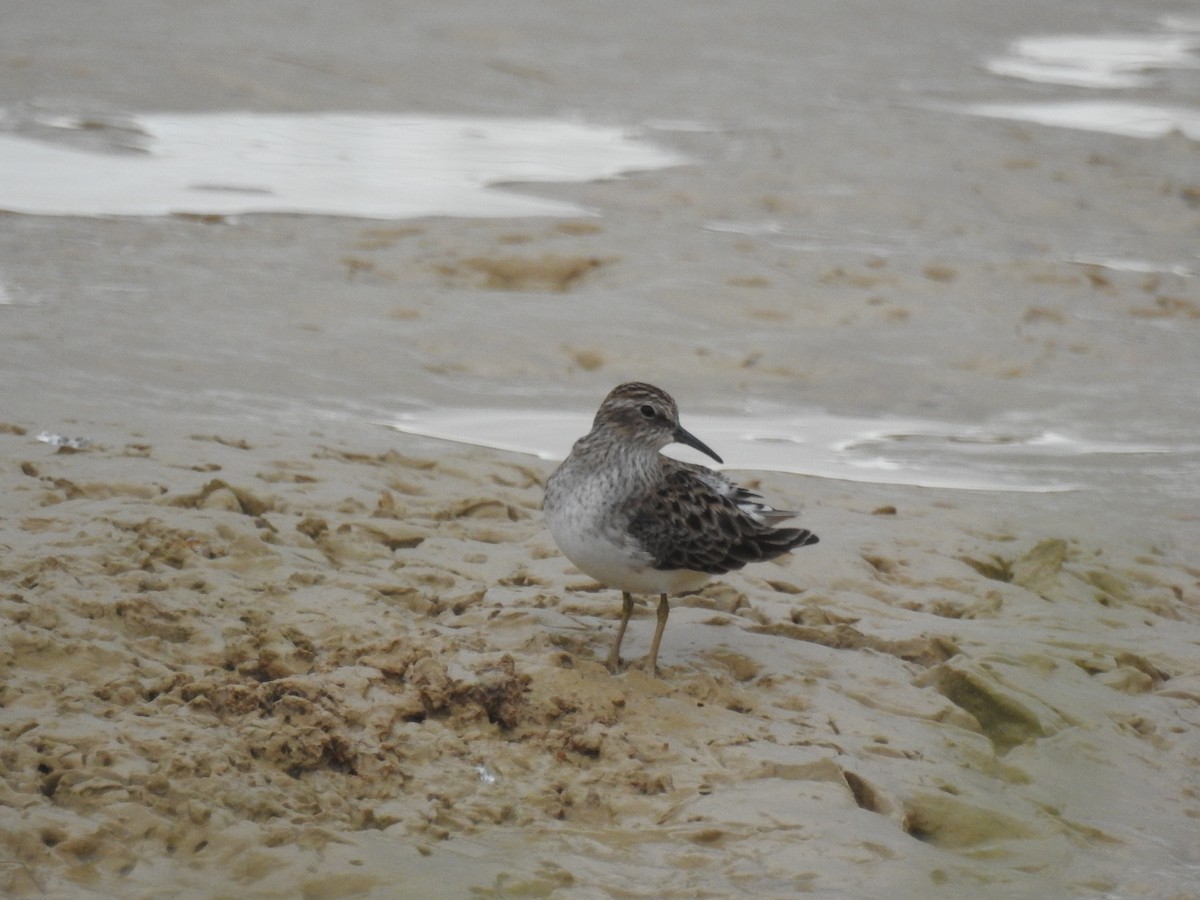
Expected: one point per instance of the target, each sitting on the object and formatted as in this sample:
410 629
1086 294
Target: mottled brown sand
295 665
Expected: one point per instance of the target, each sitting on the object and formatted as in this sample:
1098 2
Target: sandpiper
644 523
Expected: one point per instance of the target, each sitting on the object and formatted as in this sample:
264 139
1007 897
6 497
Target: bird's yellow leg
664 610
614 655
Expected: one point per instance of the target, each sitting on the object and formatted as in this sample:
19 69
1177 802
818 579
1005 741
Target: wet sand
257 644
277 664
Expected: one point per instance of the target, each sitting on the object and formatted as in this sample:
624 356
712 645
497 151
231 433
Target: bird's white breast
584 523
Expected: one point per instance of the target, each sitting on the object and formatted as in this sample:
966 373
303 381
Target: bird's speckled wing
696 519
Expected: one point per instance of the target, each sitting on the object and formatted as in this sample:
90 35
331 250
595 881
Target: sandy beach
279 665
257 643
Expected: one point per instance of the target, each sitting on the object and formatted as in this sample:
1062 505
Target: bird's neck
636 463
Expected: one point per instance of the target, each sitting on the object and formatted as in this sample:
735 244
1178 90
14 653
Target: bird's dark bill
684 436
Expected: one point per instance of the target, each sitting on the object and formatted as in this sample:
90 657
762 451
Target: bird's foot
647 665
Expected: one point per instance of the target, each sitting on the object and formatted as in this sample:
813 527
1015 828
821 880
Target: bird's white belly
615 562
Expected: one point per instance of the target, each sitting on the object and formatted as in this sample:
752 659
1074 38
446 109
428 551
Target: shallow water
339 164
1105 62
1138 120
1101 61
995 457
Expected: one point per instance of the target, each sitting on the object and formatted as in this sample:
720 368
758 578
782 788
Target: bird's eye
648 411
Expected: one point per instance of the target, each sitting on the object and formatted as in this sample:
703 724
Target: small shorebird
644 523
